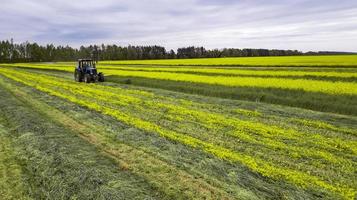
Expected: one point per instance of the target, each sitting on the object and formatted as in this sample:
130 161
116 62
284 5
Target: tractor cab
86 71
87 66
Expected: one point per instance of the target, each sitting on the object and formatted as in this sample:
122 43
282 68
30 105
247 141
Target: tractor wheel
101 77
77 76
87 78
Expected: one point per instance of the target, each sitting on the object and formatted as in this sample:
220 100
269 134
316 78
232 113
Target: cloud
294 24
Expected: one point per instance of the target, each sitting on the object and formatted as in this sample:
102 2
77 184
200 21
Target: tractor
87 72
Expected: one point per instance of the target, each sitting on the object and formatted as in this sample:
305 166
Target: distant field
324 88
345 60
282 128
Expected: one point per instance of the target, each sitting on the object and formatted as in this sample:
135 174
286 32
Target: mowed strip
239 72
54 161
275 72
11 172
166 180
327 87
260 165
319 86
134 173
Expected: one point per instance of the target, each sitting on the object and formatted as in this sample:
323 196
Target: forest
11 52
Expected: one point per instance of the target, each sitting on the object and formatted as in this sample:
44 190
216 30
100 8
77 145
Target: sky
305 25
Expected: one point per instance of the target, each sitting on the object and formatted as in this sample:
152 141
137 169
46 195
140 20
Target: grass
109 137
11 185
333 61
321 89
172 182
246 72
343 104
269 138
326 87
179 132
57 164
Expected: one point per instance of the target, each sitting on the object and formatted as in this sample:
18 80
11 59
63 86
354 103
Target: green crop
345 60
247 142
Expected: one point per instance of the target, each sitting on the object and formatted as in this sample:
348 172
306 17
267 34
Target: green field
231 128
326 61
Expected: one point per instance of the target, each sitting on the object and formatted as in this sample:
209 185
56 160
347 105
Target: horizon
297 25
175 50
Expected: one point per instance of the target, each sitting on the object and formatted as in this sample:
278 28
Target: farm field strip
171 179
10 171
239 72
333 61
315 61
58 87
334 88
327 87
228 109
267 135
218 108
209 71
100 126
68 68
53 158
177 113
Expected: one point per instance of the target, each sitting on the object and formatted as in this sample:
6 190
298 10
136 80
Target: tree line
33 52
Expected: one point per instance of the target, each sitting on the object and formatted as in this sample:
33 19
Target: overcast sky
283 24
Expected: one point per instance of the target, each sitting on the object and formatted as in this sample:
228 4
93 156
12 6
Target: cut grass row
217 107
334 88
56 163
231 178
165 103
266 72
326 87
243 72
11 173
265 168
160 176
106 133
344 104
174 112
